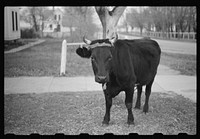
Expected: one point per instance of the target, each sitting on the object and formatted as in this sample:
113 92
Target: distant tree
156 14
165 18
33 15
139 19
191 19
180 16
125 23
147 19
81 18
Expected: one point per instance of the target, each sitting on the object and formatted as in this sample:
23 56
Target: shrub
29 33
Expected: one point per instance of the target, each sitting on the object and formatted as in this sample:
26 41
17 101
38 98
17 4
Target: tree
157 17
81 18
33 15
109 19
139 19
191 18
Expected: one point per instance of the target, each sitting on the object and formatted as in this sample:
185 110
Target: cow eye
92 58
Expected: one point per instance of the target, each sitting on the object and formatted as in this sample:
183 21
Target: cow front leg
128 103
108 100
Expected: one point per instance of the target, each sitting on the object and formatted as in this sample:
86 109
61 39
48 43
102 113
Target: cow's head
101 56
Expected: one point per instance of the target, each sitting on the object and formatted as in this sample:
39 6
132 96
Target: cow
121 65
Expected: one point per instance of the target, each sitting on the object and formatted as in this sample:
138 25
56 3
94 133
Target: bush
29 33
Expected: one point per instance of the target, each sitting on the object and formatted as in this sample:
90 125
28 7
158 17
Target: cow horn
86 40
114 38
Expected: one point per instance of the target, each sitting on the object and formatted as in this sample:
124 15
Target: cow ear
114 38
83 52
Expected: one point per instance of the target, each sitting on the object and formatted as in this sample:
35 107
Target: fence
168 35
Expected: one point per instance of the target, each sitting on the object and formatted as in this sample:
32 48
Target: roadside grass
8 45
75 113
184 63
157 38
44 60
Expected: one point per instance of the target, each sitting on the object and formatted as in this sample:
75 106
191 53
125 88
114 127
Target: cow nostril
101 77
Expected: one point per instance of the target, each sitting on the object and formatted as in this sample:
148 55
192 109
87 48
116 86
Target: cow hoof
137 107
130 122
145 111
105 123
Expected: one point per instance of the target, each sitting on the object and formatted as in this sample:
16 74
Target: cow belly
145 77
145 80
145 71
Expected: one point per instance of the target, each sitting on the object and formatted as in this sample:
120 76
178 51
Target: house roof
47 14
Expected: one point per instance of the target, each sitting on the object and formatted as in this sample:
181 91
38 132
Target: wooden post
63 57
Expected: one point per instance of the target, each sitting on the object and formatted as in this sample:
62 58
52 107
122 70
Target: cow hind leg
139 92
128 102
147 94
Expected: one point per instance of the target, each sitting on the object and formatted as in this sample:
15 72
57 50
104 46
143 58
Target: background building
11 23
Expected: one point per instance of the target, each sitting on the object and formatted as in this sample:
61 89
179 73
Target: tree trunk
35 23
109 19
141 31
189 28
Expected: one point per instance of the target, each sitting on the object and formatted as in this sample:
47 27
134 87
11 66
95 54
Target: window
16 21
55 17
13 22
50 26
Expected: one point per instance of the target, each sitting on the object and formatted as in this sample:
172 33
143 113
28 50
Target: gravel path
75 113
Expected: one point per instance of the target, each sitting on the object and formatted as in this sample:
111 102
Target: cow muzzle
101 79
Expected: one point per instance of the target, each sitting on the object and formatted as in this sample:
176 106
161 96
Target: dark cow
120 65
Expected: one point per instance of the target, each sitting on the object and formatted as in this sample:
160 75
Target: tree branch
109 19
117 10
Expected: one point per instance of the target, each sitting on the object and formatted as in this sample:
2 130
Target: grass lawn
10 45
44 60
186 64
75 113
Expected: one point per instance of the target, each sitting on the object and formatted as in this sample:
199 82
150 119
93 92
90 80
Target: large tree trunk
109 19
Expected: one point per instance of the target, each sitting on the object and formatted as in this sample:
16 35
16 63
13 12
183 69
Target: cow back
135 61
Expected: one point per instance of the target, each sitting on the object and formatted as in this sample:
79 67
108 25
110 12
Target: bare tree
140 19
109 19
33 15
81 18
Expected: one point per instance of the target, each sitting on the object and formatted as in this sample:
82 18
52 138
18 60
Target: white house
54 21
11 23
